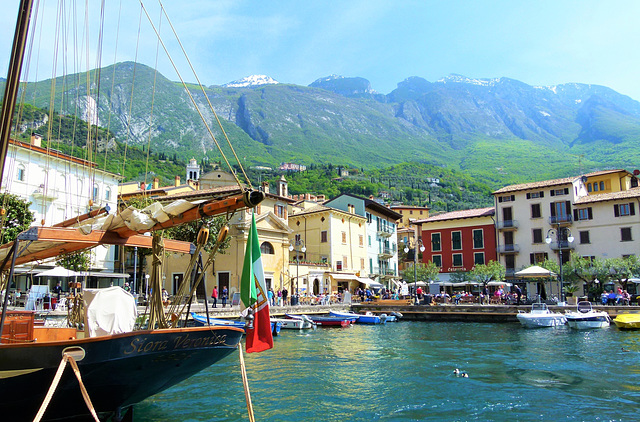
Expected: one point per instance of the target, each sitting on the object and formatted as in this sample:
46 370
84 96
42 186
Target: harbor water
404 372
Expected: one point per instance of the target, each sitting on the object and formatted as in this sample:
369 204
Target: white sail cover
109 311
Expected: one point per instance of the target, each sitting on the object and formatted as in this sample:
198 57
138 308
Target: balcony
560 220
386 253
507 225
563 244
385 231
509 248
45 194
385 274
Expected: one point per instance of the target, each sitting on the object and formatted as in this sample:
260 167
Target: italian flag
253 293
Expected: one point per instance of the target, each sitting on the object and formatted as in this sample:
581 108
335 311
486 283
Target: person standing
57 290
279 303
270 296
214 296
518 295
224 296
285 293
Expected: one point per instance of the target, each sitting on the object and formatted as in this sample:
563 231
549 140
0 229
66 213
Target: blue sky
536 42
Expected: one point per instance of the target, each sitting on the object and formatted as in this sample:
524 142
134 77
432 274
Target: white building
59 187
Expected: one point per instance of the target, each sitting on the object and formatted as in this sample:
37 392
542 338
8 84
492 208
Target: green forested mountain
498 131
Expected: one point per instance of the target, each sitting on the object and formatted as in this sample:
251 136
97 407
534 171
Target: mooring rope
54 385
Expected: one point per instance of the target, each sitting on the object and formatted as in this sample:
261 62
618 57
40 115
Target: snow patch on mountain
253 80
454 78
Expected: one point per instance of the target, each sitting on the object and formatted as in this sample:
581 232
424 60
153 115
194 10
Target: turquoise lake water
404 372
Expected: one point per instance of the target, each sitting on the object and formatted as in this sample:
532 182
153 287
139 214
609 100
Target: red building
459 240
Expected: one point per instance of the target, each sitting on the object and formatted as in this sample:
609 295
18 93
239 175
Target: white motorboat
585 318
540 316
294 324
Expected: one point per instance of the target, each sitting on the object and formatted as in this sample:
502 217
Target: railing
563 244
385 231
507 224
509 248
560 219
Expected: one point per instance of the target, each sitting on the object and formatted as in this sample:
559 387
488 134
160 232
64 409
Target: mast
13 78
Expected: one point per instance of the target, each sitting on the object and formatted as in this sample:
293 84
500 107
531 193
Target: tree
622 269
484 273
189 232
584 270
459 276
76 261
425 272
17 218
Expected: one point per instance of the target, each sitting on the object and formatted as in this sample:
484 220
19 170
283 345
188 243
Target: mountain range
501 129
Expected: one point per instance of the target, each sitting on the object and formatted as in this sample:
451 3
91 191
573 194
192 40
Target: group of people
622 297
224 296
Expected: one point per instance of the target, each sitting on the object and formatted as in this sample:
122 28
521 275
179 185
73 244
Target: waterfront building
409 214
334 241
380 238
457 241
59 188
597 209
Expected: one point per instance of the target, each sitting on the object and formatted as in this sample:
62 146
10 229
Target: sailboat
112 371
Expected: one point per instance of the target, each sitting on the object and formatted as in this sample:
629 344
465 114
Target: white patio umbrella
535 271
59 272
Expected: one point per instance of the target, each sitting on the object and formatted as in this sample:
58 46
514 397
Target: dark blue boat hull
118 371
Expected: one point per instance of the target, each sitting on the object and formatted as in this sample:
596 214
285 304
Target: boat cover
109 311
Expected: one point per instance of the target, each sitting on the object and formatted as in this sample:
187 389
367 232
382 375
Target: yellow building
331 245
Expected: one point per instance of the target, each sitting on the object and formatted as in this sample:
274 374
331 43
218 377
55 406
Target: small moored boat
202 320
293 324
540 316
585 318
628 321
367 318
325 321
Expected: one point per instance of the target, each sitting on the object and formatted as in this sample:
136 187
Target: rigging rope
190 95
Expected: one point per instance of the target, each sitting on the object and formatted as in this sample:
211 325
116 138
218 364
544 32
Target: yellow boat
628 321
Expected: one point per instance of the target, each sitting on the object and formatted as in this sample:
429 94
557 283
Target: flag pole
245 384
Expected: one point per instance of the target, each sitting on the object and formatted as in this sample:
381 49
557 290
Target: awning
498 283
352 277
103 274
59 272
535 271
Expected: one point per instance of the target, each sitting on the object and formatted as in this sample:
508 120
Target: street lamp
560 233
299 247
415 264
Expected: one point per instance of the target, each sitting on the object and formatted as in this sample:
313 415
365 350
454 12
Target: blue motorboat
202 320
367 318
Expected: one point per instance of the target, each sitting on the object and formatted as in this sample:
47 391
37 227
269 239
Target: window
456 241
602 185
371 265
625 234
362 263
266 248
107 194
589 189
369 219
534 195
478 258
535 211
478 239
560 212
538 257
338 265
437 259
360 240
323 236
621 210
344 238
508 198
21 174
435 242
344 262
559 192
584 237
280 211
595 186
537 235
457 259
583 214
510 262
95 192
369 240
